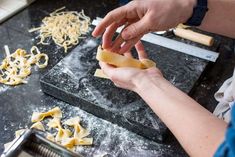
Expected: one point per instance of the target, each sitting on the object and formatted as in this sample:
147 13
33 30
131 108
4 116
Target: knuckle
133 29
110 15
149 20
132 3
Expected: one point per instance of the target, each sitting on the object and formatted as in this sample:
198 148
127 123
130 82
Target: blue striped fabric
227 148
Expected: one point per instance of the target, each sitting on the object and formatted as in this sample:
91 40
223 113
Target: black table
18 103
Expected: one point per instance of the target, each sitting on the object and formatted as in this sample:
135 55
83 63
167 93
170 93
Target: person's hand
141 17
130 78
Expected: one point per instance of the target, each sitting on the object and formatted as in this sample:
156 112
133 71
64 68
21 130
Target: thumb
136 29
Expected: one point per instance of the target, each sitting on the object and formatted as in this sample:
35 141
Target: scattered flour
3 88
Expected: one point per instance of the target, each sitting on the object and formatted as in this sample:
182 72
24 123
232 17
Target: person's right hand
142 16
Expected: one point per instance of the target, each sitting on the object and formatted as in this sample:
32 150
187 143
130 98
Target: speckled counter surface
72 80
18 103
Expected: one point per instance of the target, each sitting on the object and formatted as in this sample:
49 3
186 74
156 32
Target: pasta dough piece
38 58
72 121
62 133
64 28
19 132
38 125
71 142
84 141
17 66
79 131
55 112
50 137
122 61
79 134
63 136
148 63
6 145
100 73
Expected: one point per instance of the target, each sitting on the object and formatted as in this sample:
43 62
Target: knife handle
194 36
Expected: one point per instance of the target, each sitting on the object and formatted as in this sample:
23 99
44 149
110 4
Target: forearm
220 18
198 131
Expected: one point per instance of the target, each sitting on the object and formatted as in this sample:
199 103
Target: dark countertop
18 103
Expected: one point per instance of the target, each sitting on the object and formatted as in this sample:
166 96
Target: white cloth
225 96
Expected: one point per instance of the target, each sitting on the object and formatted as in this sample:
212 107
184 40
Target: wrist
144 83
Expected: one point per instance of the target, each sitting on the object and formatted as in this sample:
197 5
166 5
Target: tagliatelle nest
17 66
64 28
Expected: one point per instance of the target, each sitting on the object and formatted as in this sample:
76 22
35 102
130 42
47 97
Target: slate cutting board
72 81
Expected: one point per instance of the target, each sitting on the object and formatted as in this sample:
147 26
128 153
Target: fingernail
94 34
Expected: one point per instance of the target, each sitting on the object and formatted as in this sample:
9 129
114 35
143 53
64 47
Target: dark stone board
72 80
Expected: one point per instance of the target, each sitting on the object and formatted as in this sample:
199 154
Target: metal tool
172 44
33 143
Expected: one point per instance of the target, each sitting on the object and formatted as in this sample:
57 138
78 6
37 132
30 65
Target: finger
117 84
140 50
109 33
128 54
107 69
128 45
119 40
136 29
114 16
117 44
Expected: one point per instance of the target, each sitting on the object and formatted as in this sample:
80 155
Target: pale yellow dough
65 28
62 133
55 112
79 134
38 125
17 66
63 136
120 61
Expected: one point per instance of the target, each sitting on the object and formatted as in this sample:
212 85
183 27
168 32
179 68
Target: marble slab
72 81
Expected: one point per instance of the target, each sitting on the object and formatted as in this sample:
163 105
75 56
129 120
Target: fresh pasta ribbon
120 61
65 28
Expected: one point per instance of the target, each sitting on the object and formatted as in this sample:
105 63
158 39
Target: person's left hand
127 77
